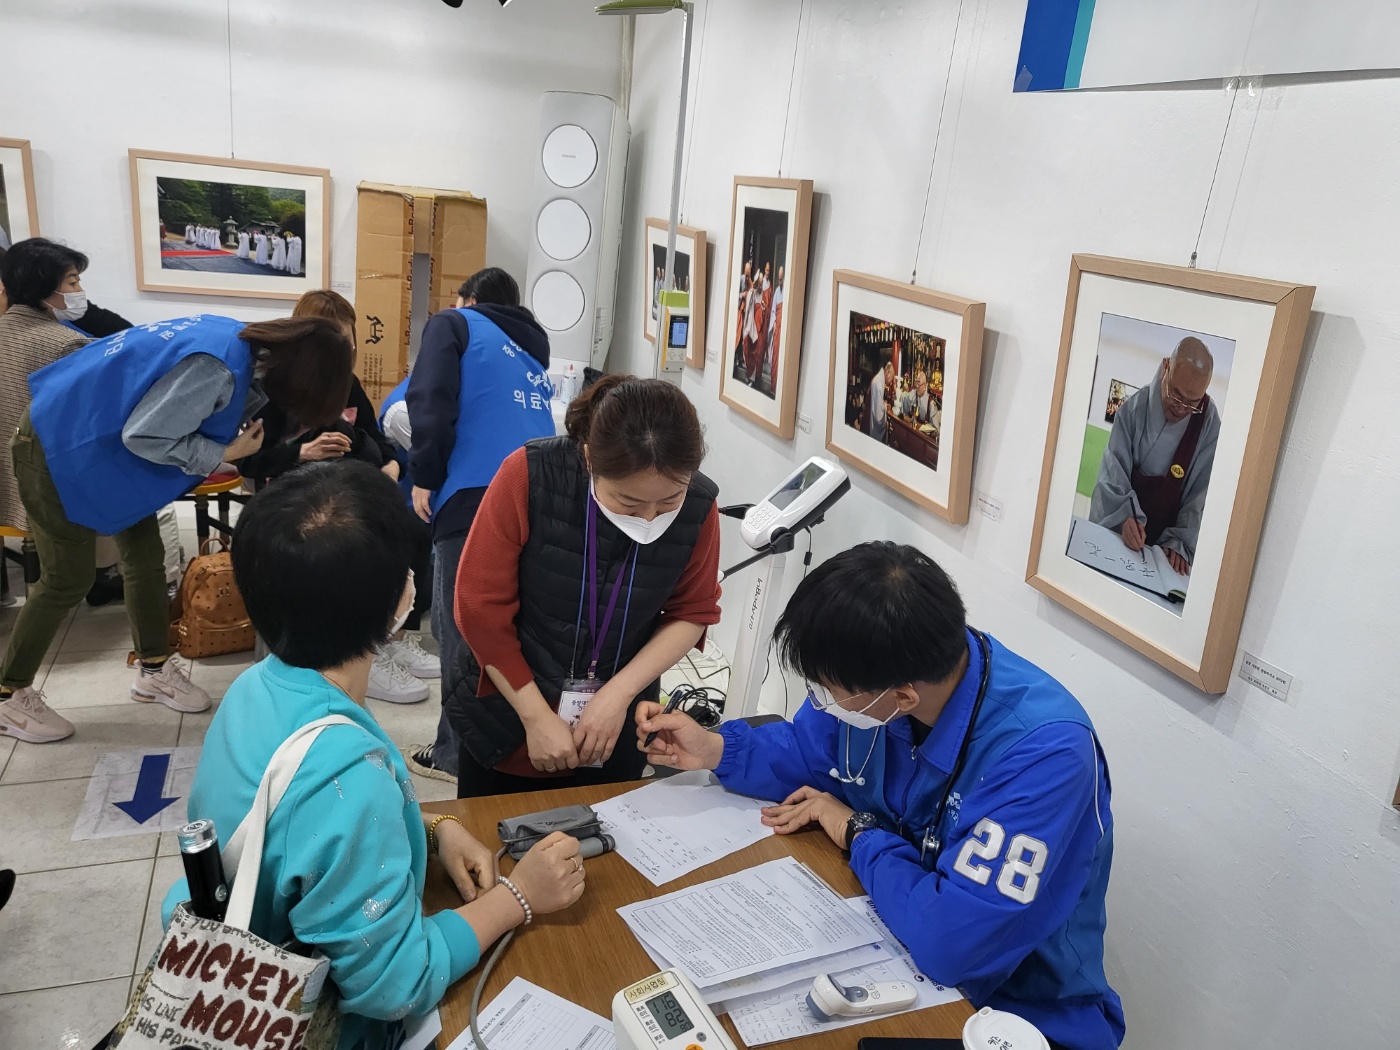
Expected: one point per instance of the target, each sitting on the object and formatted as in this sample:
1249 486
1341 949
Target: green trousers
66 559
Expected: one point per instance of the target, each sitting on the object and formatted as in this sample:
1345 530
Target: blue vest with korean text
81 403
504 402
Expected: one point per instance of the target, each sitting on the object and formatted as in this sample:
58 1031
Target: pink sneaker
25 715
172 687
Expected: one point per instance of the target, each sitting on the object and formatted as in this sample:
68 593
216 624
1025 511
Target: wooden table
586 953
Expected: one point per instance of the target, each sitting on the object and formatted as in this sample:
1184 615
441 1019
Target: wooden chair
27 558
222 487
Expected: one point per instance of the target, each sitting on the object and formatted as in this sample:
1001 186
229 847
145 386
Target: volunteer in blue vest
967 784
479 390
118 429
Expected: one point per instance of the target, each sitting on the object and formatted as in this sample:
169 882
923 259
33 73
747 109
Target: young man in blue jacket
967 784
479 390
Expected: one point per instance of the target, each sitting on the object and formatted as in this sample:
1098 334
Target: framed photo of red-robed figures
902 404
19 211
1170 397
692 262
764 296
215 226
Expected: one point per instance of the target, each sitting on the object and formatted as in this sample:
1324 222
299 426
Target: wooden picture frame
18 221
174 190
1140 317
692 265
922 445
769 228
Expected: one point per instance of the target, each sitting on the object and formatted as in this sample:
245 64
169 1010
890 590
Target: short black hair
491 285
32 270
321 556
874 617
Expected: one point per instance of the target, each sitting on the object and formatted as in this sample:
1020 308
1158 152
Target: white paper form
527 1017
775 914
678 824
772 1017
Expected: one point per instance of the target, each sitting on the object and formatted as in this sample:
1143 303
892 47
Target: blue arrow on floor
149 798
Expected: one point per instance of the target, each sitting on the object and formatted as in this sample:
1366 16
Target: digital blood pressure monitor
799 498
665 1012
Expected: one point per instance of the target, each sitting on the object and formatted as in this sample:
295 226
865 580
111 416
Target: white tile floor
84 916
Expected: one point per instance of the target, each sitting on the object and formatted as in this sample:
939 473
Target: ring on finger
578 864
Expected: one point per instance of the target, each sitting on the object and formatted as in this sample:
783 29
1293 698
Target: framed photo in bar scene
692 262
19 210
213 226
764 296
906 364
1171 393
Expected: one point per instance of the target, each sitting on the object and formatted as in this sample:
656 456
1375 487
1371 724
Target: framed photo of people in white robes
19 211
213 226
692 260
764 296
902 404
1170 399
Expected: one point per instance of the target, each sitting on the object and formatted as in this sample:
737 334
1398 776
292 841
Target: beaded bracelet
529 912
432 830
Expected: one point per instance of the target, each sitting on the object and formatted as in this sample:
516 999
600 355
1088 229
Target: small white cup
990 1029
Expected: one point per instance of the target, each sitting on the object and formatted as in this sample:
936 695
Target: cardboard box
395 223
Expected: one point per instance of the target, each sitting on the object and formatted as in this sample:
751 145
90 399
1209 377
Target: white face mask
854 719
410 594
639 530
75 304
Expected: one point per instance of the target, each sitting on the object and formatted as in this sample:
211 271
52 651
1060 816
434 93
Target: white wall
1254 895
402 91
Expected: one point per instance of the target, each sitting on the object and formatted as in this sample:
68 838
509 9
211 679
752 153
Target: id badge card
574 698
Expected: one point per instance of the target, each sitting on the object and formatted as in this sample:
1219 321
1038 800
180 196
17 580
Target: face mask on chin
636 529
75 304
410 594
859 719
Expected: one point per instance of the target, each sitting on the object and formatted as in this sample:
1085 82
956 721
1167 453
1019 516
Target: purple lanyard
595 635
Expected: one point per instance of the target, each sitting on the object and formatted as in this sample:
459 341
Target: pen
670 706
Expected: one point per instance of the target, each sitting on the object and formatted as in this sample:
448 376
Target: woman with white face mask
44 287
591 568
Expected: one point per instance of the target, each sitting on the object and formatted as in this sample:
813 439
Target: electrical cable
475 1015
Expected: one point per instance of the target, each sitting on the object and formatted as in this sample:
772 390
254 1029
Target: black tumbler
204 870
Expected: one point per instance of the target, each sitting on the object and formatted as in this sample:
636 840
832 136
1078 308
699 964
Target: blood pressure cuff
519 834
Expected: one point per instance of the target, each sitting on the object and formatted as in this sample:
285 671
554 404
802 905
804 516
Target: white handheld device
804 492
665 1012
674 335
829 999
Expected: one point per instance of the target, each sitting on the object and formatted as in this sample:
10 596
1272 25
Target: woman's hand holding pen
675 739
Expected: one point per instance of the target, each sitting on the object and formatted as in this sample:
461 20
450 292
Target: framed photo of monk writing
902 403
19 212
691 264
214 226
763 300
1170 398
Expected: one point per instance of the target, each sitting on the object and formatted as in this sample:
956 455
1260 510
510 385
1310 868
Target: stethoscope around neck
930 843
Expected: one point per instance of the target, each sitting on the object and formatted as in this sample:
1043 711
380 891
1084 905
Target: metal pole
687 12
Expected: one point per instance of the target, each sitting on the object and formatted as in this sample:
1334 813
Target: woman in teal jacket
347 848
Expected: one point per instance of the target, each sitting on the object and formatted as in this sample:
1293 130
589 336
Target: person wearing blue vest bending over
968 786
118 429
479 391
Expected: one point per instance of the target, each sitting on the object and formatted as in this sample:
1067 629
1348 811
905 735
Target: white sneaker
413 658
391 683
172 687
26 716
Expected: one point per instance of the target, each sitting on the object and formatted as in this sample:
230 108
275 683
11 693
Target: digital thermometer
674 336
830 1000
665 1012
799 498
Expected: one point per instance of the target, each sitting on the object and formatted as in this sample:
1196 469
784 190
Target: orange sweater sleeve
696 596
488 576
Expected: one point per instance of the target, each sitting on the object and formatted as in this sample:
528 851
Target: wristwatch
857 823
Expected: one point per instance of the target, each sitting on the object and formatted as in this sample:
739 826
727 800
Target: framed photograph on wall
212 226
902 404
763 300
1170 398
19 212
692 259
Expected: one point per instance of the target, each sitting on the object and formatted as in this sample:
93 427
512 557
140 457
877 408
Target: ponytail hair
306 364
632 425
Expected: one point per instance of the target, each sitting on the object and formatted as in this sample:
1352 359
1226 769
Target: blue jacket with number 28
1011 911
